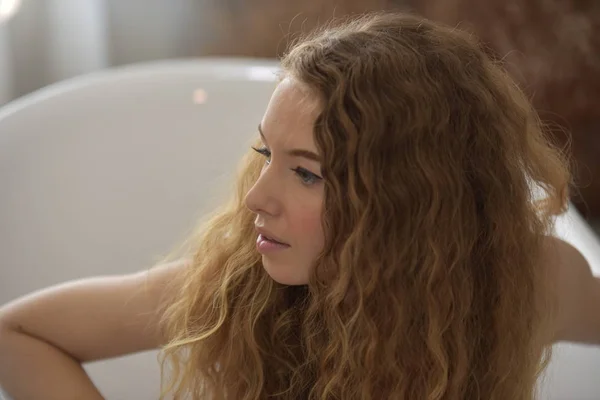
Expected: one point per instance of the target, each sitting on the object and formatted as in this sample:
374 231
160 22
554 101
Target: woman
383 242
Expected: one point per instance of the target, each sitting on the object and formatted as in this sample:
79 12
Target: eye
263 151
307 177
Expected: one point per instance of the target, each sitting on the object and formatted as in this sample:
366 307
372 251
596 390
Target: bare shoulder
577 291
98 317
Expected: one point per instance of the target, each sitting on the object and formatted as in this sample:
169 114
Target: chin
285 274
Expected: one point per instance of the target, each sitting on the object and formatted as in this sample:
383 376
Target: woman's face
287 198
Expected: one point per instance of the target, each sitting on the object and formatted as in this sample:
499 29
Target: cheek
308 229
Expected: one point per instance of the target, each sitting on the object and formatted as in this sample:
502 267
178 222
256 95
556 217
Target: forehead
290 115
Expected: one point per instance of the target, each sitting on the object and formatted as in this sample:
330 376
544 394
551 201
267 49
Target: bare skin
578 292
103 317
63 326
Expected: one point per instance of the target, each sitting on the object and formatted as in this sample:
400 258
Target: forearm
33 369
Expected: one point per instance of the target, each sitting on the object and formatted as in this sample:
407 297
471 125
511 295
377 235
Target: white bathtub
103 173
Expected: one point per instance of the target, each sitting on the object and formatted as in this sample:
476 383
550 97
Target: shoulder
576 291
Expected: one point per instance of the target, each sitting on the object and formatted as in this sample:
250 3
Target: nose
263 196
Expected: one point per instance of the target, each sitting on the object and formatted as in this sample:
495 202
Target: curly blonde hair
430 284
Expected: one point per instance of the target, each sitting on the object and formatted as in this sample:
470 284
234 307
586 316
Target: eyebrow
295 152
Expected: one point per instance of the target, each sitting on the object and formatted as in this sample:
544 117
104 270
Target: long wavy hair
440 187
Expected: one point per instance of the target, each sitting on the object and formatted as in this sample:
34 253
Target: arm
30 368
578 292
47 335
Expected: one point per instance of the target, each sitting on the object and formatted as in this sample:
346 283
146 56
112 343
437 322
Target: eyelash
263 151
302 173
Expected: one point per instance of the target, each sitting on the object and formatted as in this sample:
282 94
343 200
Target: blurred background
551 47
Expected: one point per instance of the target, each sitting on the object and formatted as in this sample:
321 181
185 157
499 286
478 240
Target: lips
269 236
272 240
